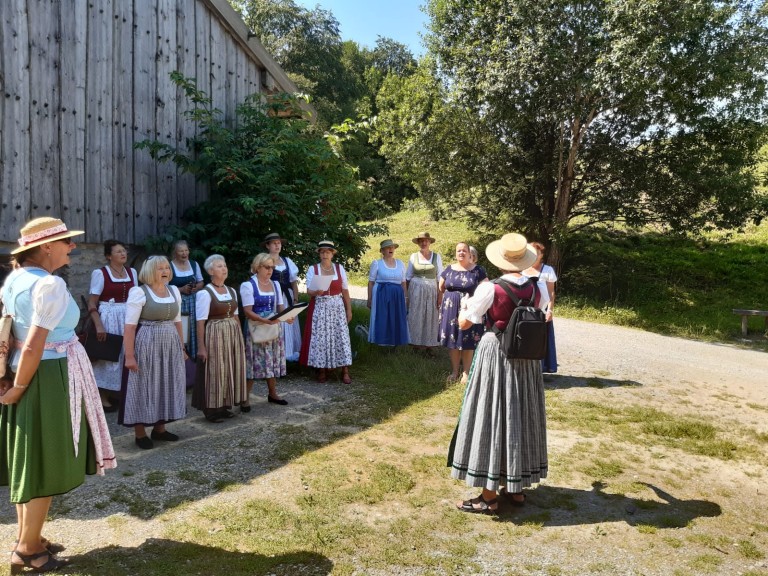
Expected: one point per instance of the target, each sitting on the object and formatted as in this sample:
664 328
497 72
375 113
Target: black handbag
96 349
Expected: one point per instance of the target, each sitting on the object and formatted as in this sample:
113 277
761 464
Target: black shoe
108 409
280 401
164 435
227 414
145 443
245 408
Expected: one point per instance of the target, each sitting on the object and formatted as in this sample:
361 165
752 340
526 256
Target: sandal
479 505
514 498
52 547
345 376
51 564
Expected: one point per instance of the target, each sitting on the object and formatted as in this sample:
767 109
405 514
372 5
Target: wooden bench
745 314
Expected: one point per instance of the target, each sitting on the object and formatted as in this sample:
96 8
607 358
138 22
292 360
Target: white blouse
203 302
97 280
344 284
293 270
137 299
482 300
246 292
50 300
194 269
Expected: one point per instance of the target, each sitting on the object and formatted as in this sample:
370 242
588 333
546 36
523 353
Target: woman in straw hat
52 423
501 437
326 344
286 273
547 274
387 298
424 268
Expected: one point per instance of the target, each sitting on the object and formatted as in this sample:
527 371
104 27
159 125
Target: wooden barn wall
80 83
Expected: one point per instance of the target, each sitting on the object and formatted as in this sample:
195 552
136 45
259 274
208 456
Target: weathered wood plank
72 119
44 96
230 79
186 40
218 66
100 205
15 179
203 65
165 121
122 121
145 86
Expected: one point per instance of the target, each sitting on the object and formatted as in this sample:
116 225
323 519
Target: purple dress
457 284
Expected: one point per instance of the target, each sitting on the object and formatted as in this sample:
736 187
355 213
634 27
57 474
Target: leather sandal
52 547
514 498
51 564
479 505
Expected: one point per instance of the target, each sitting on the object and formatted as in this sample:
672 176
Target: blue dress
389 322
457 283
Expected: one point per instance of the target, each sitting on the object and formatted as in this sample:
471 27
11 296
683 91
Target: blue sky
364 20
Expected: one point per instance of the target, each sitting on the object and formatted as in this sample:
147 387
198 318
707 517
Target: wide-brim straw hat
272 236
42 230
326 244
423 236
511 253
388 243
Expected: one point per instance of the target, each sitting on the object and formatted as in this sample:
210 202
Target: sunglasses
267 267
67 241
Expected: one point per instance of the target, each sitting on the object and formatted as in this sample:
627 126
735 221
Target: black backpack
525 336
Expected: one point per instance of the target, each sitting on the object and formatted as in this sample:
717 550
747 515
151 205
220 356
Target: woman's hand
290 321
549 316
12 395
101 332
5 385
202 353
349 315
130 364
464 324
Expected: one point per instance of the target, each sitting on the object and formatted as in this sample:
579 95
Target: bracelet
92 309
19 386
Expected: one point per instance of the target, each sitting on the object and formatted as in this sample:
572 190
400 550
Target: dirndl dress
501 436
285 275
113 293
263 359
220 380
458 284
156 392
389 324
326 333
179 279
423 316
56 433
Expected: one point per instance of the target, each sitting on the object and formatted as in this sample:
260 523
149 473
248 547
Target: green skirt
37 455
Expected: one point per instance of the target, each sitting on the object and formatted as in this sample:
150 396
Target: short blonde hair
211 260
149 268
259 261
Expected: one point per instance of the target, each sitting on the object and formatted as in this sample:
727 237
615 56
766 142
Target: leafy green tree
547 117
307 45
270 172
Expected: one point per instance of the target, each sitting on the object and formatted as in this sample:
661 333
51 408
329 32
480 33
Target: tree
268 173
563 114
307 45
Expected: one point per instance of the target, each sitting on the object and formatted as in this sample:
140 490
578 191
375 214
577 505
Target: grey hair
473 253
211 260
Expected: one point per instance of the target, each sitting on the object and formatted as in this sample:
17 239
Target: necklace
117 274
328 270
217 285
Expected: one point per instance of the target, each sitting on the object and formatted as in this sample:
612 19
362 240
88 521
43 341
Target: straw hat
326 244
388 243
511 253
423 236
272 236
42 230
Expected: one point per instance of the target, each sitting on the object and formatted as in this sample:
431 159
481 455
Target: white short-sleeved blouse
203 302
482 300
97 280
344 283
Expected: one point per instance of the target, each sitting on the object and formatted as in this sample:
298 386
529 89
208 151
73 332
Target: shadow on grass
555 506
159 557
563 382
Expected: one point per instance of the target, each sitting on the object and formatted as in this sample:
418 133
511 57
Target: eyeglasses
67 241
